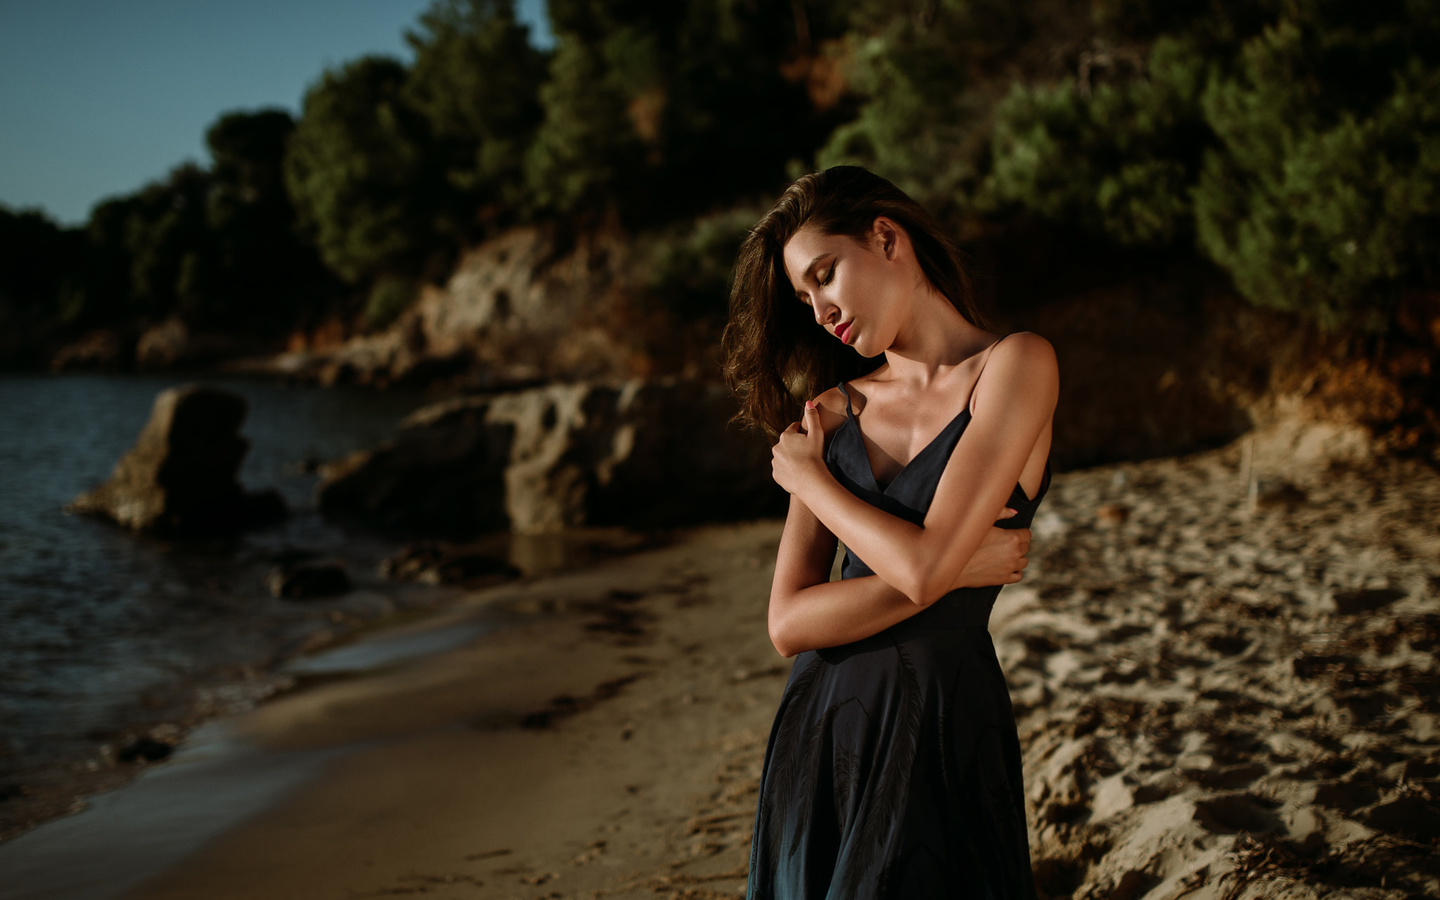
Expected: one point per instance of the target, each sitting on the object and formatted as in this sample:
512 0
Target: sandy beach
1223 669
388 505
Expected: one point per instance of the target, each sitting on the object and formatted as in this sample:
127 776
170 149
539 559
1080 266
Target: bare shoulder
1021 367
1025 354
1024 346
832 409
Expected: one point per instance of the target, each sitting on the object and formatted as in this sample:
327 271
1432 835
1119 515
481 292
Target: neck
934 339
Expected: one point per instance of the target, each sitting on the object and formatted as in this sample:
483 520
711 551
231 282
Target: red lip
842 331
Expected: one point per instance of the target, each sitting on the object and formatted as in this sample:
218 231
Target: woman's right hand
1000 559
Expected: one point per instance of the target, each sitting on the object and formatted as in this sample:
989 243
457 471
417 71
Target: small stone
435 562
312 579
1424 727
1048 525
147 749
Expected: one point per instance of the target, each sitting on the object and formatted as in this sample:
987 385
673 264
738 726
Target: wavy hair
775 354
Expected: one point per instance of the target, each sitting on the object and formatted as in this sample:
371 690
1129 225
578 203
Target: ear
887 233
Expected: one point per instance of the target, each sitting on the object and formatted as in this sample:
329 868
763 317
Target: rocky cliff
531 304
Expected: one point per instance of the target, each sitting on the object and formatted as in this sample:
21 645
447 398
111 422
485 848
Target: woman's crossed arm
923 562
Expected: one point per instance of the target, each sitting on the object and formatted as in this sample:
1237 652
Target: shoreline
1223 668
110 636
436 711
161 719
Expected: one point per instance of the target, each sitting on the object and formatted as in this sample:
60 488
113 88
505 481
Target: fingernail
809 405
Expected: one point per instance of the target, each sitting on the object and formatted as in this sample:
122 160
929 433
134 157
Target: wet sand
1224 671
587 749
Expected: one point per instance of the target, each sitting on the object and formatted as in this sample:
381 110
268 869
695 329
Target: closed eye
821 280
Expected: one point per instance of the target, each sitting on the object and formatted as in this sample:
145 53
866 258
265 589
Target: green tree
259 273
1322 190
247 152
1118 159
140 253
665 110
217 247
40 262
165 237
587 153
476 80
919 69
731 118
1298 143
100 292
359 172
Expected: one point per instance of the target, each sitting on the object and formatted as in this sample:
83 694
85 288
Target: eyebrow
810 269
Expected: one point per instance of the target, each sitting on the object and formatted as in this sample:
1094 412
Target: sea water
99 627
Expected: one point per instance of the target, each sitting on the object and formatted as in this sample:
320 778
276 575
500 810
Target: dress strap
988 352
849 410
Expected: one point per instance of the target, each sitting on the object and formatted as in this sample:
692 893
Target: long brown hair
775 354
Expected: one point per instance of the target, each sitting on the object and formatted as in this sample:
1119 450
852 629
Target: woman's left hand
799 455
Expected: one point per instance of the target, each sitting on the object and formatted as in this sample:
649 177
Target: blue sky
98 97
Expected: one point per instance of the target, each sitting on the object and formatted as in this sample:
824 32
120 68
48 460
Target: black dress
893 767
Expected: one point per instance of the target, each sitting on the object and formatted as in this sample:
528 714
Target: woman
893 768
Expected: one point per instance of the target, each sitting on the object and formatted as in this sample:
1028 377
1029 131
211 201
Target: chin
865 350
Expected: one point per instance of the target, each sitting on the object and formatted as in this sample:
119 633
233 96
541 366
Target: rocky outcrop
102 349
171 344
530 304
180 477
635 453
165 345
441 474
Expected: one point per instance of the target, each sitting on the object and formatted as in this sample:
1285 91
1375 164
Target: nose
825 312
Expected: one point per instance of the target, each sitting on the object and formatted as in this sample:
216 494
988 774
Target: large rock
637 453
442 474
180 477
532 303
